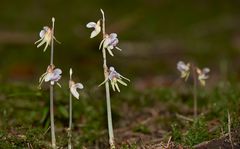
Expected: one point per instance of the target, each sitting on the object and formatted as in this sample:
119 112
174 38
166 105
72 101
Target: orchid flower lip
110 42
74 86
96 26
46 36
51 75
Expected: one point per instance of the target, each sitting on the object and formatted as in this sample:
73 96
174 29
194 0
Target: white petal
115 41
110 51
91 25
113 35
181 66
206 70
79 85
45 28
101 44
48 77
119 49
55 77
74 92
106 42
95 33
57 71
42 33
112 68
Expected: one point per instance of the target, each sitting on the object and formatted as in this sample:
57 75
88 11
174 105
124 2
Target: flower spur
45 37
52 74
115 78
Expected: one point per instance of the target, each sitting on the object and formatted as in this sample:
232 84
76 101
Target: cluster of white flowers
114 77
52 74
108 43
185 70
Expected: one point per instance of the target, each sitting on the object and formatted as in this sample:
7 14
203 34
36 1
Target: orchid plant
109 42
114 77
73 92
200 75
52 74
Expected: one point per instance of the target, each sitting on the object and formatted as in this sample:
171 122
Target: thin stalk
108 100
52 118
70 123
70 119
51 92
52 42
194 90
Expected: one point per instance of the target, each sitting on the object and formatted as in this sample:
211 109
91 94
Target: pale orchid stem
108 100
52 118
52 41
194 90
70 118
70 123
51 93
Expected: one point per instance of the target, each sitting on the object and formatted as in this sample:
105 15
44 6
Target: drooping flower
184 69
74 86
115 78
203 75
45 37
96 26
52 74
110 42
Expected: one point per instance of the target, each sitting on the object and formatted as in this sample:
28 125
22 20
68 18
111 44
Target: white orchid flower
45 37
184 69
96 26
53 75
203 75
115 78
110 42
74 86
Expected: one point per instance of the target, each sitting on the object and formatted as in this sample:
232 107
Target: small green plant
52 74
108 43
141 128
73 92
197 133
176 133
129 146
198 74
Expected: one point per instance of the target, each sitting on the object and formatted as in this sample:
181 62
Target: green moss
142 129
197 133
129 146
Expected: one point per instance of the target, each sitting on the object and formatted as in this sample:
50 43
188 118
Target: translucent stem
52 118
70 116
108 100
52 42
51 93
70 123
